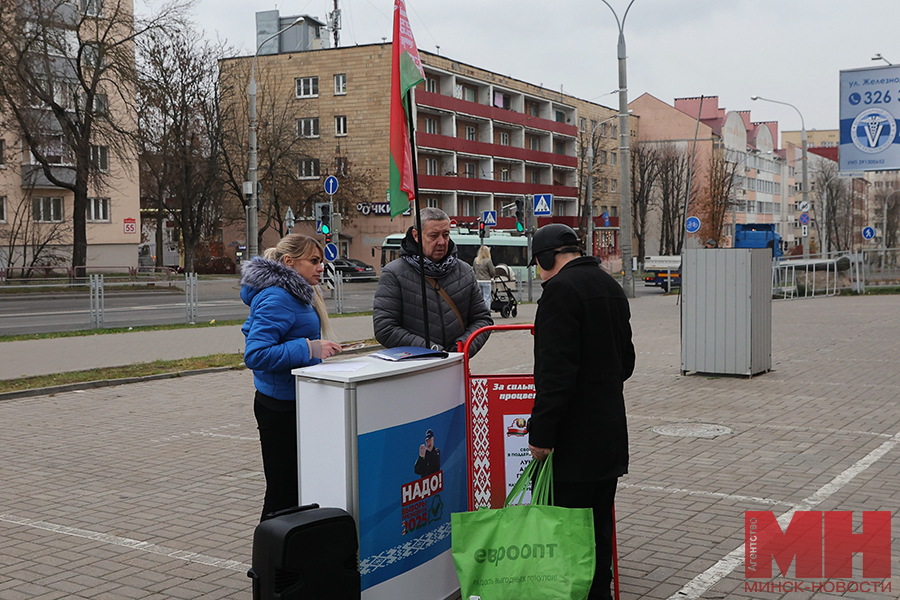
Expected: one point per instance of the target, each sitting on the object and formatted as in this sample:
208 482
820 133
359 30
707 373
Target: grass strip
136 370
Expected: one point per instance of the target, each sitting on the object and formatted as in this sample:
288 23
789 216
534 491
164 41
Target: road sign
331 185
692 224
453 224
330 252
804 231
543 203
803 205
804 219
489 217
868 233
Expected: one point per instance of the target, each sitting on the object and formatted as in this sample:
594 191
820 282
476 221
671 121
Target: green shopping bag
525 552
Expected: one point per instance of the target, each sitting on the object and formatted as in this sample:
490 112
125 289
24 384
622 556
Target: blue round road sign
692 224
804 219
330 252
331 185
868 233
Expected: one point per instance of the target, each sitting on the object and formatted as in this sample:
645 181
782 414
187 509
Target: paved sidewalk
44 357
152 490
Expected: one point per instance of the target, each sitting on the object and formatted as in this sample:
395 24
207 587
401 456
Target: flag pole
418 225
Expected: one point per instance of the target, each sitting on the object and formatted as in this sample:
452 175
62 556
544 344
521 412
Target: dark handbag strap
447 299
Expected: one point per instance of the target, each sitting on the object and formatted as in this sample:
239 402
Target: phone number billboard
870 107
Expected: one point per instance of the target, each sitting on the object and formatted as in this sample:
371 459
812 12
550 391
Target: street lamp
589 194
880 57
625 223
250 187
803 163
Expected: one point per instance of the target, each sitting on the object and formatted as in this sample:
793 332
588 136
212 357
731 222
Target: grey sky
788 50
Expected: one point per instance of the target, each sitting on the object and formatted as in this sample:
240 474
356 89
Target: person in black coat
582 355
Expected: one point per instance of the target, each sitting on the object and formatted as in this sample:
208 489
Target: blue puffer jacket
281 319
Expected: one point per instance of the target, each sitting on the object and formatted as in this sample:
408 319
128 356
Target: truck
758 235
662 271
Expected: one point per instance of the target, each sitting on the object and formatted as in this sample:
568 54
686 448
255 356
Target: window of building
432 166
431 125
92 8
504 138
340 125
470 133
532 108
307 87
100 157
53 151
98 209
2 152
534 143
559 146
505 174
340 84
615 130
613 185
469 94
101 104
341 165
613 159
308 169
470 171
582 123
502 100
560 208
604 185
535 176
614 211
92 56
604 129
47 210
308 128
432 203
560 116
603 157
469 207
431 85
2 209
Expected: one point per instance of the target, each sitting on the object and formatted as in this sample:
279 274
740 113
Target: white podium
360 425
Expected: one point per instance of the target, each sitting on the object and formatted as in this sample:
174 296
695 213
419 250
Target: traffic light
325 218
520 216
328 238
483 230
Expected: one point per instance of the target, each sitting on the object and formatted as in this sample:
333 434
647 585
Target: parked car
354 269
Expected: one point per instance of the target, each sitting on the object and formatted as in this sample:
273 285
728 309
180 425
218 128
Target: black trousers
599 496
278 438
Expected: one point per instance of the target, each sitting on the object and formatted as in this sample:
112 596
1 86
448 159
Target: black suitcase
304 553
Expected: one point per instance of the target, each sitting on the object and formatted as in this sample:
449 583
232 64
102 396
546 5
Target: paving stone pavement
152 490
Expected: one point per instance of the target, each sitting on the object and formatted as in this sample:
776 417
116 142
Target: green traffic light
326 229
520 227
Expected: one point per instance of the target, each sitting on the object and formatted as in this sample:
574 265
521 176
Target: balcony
443 142
491 186
33 176
442 102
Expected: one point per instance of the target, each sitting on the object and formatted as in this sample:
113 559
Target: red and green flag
406 73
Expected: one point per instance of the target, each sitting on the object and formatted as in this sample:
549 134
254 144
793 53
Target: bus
506 248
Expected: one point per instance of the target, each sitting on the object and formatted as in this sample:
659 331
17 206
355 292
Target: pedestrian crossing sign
542 205
489 217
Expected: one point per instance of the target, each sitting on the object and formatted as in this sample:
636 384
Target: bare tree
645 165
832 207
66 86
180 134
718 196
672 186
27 243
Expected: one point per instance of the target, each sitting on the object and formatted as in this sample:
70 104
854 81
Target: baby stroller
502 298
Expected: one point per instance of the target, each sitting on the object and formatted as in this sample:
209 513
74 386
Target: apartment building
764 186
36 216
484 139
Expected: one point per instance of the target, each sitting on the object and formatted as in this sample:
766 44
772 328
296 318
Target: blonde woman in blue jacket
287 328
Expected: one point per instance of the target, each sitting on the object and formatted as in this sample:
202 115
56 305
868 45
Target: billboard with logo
870 108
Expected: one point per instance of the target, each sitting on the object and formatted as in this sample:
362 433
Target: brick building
484 139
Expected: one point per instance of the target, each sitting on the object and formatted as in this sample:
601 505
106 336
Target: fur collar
261 273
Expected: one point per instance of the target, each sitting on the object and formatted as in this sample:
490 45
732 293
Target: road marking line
231 565
670 490
702 582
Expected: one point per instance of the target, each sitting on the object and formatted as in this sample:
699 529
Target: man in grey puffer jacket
397 315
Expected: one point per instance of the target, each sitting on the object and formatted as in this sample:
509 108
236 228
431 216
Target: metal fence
57 301
835 273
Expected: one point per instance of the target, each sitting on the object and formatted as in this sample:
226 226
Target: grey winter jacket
485 270
397 314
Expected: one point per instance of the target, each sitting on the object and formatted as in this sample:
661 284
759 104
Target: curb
89 385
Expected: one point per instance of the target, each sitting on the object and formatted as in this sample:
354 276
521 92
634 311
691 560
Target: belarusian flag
406 73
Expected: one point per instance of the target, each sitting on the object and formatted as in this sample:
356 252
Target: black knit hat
551 237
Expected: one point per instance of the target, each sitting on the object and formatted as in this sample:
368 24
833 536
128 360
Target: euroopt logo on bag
820 545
